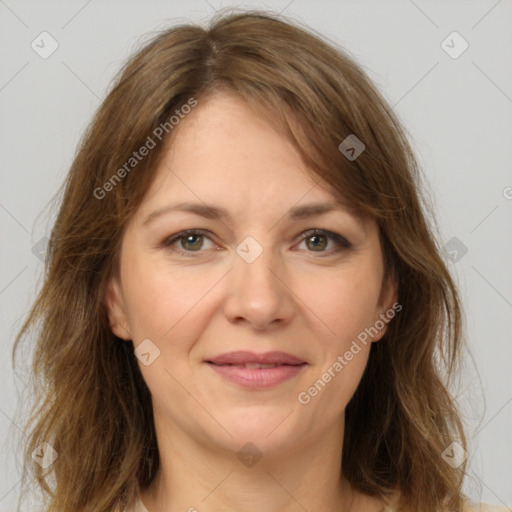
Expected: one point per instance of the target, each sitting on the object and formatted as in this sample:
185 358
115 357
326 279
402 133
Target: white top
138 507
469 507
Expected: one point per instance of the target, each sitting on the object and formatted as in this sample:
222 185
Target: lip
245 356
287 367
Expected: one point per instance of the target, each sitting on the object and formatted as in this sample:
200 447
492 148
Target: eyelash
341 242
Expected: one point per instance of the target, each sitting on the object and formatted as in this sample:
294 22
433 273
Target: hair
91 403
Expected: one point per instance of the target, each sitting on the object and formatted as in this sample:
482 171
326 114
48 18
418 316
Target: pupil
191 237
316 237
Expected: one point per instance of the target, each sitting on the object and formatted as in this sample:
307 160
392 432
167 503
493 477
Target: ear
388 305
116 310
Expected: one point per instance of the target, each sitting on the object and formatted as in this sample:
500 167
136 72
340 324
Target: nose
258 293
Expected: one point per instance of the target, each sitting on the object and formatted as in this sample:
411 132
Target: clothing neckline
139 506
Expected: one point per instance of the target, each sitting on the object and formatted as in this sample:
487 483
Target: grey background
458 113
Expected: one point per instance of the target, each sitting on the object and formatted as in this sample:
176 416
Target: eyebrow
216 212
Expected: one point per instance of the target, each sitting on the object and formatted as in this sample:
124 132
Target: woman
245 307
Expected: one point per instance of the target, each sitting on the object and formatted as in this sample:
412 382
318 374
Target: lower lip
258 378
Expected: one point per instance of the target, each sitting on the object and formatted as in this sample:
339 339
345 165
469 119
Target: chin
269 433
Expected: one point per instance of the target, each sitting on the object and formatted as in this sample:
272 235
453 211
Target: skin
307 301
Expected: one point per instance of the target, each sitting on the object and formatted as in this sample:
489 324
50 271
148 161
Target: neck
194 476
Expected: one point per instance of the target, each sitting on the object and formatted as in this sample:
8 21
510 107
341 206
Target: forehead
226 160
225 144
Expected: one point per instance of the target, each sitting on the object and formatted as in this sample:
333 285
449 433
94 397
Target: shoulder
138 506
484 507
468 506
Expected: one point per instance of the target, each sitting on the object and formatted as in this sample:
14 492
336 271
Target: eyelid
338 239
183 234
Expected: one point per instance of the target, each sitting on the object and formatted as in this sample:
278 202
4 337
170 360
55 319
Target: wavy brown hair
91 403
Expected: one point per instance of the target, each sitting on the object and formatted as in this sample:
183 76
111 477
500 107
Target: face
257 279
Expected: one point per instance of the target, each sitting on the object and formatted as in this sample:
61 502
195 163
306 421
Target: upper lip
244 357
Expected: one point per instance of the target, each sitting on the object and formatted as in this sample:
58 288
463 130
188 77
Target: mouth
245 357
255 366
257 371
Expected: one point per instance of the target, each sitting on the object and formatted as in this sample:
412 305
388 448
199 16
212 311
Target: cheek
163 302
344 302
347 307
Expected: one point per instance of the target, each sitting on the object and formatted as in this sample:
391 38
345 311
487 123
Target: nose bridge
256 265
259 255
256 290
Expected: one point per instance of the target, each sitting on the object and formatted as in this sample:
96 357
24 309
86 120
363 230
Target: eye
317 240
190 240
